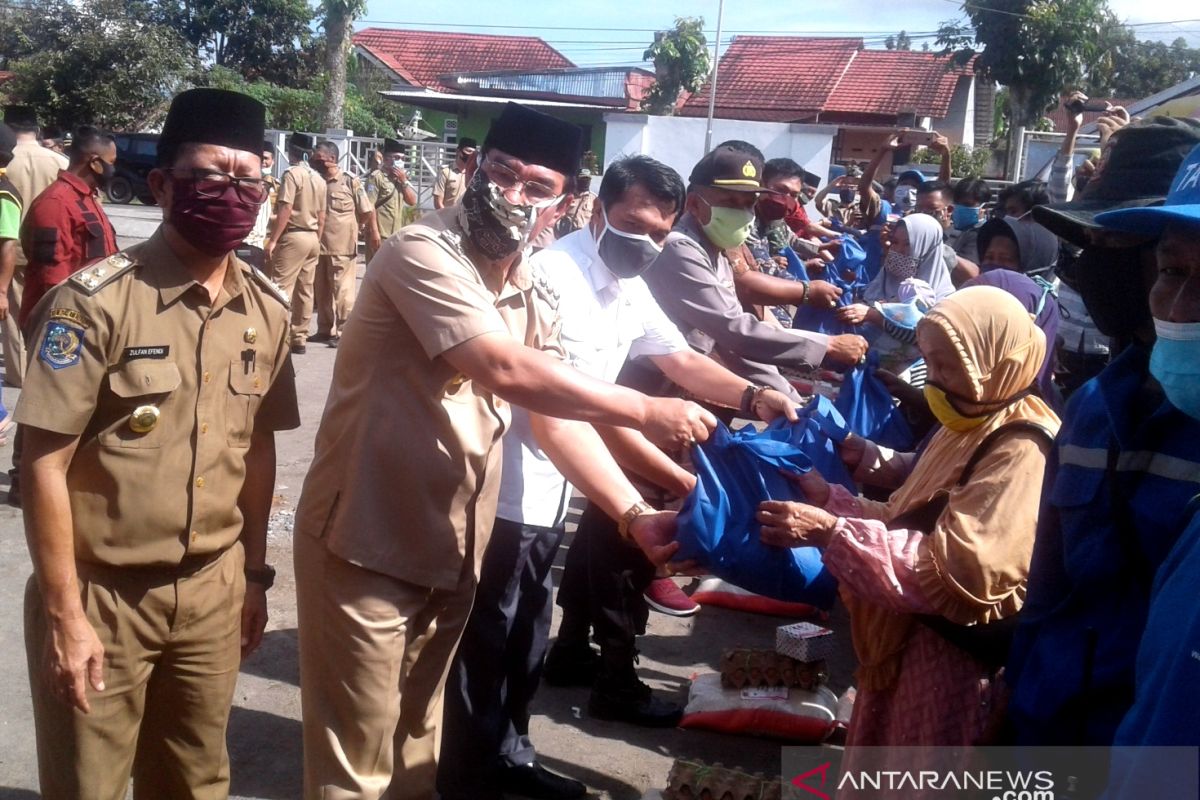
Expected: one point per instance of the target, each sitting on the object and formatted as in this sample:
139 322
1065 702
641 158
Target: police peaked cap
21 116
302 141
537 138
213 116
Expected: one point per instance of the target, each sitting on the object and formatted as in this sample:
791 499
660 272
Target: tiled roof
423 57
776 77
891 81
794 78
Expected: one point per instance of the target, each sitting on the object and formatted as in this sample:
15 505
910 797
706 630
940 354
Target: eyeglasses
211 184
506 179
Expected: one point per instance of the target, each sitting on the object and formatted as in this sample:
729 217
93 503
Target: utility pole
712 84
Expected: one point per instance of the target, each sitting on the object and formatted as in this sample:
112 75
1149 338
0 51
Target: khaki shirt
406 473
31 170
304 190
449 185
389 202
136 330
346 202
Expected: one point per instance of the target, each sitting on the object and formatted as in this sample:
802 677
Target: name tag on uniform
151 351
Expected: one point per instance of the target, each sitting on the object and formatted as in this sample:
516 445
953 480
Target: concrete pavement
618 761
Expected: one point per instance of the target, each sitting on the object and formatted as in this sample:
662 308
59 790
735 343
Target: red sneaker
666 598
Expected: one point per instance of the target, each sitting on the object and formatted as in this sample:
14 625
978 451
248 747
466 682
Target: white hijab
925 237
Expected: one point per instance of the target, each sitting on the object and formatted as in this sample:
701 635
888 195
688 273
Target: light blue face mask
1175 364
964 217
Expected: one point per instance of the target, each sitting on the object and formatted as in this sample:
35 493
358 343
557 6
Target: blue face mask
964 217
1175 364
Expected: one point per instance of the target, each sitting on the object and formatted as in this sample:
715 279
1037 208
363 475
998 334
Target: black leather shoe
633 702
320 338
571 665
333 341
535 781
299 349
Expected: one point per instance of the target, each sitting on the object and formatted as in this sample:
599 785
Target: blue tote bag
849 261
869 409
735 471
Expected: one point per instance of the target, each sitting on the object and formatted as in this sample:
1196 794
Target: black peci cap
212 116
811 179
302 141
21 116
730 169
392 146
537 138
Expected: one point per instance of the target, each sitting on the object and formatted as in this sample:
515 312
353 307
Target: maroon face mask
213 225
771 207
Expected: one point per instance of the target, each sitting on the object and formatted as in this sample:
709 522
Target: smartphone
1090 105
915 137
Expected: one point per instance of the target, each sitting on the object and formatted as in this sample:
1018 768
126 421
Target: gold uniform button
199 483
250 335
144 419
204 427
195 536
207 377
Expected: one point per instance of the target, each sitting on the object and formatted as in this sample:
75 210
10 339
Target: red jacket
65 229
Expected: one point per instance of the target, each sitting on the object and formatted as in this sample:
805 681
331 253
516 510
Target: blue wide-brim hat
1182 204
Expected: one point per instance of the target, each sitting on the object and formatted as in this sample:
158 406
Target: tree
262 39
1131 68
1033 47
102 62
339 21
681 63
902 41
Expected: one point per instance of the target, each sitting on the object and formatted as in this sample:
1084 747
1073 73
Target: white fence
422 160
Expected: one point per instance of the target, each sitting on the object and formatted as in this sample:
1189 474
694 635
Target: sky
616 32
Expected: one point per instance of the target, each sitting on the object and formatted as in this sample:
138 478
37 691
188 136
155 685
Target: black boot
619 695
571 664
535 781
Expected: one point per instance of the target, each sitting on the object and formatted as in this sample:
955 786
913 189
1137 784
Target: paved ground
620 762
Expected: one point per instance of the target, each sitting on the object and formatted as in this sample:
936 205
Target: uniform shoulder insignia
100 273
544 286
269 285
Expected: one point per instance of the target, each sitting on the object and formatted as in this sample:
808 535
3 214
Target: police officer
159 377
294 247
390 191
348 210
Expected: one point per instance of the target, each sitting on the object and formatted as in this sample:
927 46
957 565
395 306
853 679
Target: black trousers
498 667
602 586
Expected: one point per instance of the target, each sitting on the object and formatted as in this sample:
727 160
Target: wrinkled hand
770 405
853 314
899 388
74 659
786 524
852 450
846 350
813 484
672 423
654 533
254 617
823 294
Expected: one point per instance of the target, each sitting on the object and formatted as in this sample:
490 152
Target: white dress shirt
605 320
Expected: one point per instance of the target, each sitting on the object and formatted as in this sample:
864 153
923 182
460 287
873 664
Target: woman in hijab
927 575
1015 244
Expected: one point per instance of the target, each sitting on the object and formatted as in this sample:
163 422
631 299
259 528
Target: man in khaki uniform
348 210
252 249
32 169
401 496
390 191
452 178
159 378
294 247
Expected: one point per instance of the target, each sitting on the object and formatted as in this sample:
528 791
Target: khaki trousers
334 289
294 268
172 648
374 656
10 332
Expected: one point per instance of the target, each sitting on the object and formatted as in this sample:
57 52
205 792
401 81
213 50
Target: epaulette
544 287
269 286
103 272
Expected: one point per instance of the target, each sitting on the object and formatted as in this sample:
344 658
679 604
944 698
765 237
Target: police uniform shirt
346 200
134 334
406 472
304 190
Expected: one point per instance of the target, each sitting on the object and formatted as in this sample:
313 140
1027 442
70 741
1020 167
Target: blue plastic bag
870 410
847 273
735 471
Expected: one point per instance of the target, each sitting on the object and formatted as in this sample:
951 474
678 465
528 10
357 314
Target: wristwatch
635 511
264 576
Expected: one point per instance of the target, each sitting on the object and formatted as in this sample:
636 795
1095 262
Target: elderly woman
927 574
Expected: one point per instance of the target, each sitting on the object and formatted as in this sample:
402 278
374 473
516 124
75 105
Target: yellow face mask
947 414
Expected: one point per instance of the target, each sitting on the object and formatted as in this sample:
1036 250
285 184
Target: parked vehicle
136 156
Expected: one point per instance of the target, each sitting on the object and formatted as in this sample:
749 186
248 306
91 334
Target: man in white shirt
607 314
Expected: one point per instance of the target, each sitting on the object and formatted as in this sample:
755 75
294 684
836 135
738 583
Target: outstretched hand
654 533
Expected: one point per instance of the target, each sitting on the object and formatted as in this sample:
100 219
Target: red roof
776 78
795 78
422 57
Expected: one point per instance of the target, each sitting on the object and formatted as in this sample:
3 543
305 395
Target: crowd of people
1025 575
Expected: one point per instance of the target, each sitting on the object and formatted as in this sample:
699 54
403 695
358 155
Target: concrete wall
679 141
959 124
